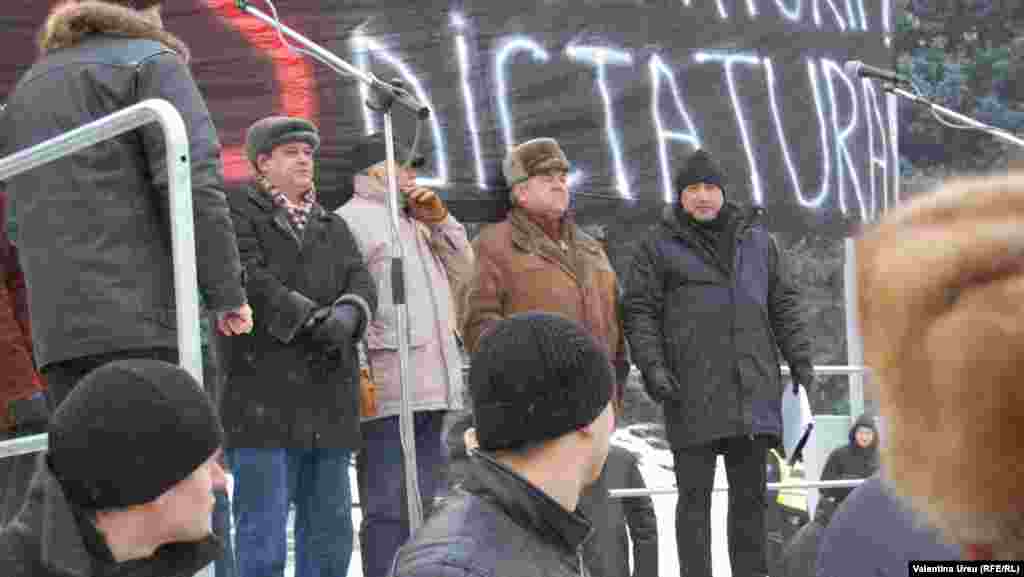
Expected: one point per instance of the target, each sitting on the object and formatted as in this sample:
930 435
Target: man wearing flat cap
126 485
437 255
291 398
94 228
537 259
708 307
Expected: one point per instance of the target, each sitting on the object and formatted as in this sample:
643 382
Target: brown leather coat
519 268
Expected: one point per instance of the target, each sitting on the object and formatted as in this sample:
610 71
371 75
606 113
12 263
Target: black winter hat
699 167
536 377
272 131
372 149
129 431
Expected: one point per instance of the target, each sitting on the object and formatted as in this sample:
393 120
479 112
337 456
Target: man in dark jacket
94 227
707 306
541 389
126 485
856 460
291 400
607 552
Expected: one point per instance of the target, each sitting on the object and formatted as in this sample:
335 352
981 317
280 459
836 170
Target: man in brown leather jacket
537 259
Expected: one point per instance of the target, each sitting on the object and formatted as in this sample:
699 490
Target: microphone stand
385 96
892 88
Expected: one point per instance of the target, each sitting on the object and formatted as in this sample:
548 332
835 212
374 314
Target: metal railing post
183 248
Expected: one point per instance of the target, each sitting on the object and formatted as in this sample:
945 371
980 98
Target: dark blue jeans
380 467
266 482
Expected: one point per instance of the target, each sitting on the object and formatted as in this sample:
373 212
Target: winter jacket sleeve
643 526
166 76
834 470
787 317
360 287
281 310
483 299
449 242
643 306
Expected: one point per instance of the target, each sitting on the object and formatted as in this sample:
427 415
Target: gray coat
717 329
94 228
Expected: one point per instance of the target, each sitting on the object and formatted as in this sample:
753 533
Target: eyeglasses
552 175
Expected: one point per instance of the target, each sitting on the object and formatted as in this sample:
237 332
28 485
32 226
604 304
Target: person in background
94 228
856 460
607 550
23 408
290 403
541 390
126 485
708 306
437 254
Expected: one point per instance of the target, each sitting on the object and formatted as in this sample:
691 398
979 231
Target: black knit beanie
536 377
129 431
699 167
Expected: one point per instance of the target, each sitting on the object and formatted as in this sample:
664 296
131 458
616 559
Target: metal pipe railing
626 493
183 246
179 181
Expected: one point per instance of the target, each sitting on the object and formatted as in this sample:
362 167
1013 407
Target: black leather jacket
94 228
498 525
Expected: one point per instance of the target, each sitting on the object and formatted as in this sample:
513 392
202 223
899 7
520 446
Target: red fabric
19 379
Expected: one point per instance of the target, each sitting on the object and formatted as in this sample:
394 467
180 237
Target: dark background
245 74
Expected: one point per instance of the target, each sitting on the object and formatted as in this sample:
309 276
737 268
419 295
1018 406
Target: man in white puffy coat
437 258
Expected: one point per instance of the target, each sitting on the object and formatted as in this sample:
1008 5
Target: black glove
30 415
337 325
661 385
802 375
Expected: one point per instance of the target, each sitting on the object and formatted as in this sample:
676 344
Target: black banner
628 88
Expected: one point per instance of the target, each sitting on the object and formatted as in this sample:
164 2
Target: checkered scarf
298 214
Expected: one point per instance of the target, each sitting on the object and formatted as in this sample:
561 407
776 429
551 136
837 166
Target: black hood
868 422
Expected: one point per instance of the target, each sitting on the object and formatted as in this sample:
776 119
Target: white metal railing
626 493
179 177
183 246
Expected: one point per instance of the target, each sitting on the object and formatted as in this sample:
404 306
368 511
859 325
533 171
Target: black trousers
63 376
695 476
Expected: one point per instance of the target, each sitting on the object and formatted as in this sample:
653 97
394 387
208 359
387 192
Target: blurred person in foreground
941 298
541 393
126 485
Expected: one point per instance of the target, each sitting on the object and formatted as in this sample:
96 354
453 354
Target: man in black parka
707 308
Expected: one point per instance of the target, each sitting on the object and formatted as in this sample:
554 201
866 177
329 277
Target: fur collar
72 22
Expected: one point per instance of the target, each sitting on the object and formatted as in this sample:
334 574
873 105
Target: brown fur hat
71 22
941 306
531 157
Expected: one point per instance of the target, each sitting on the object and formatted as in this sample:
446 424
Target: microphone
861 70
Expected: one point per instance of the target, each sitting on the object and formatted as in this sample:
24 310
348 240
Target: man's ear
261 162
